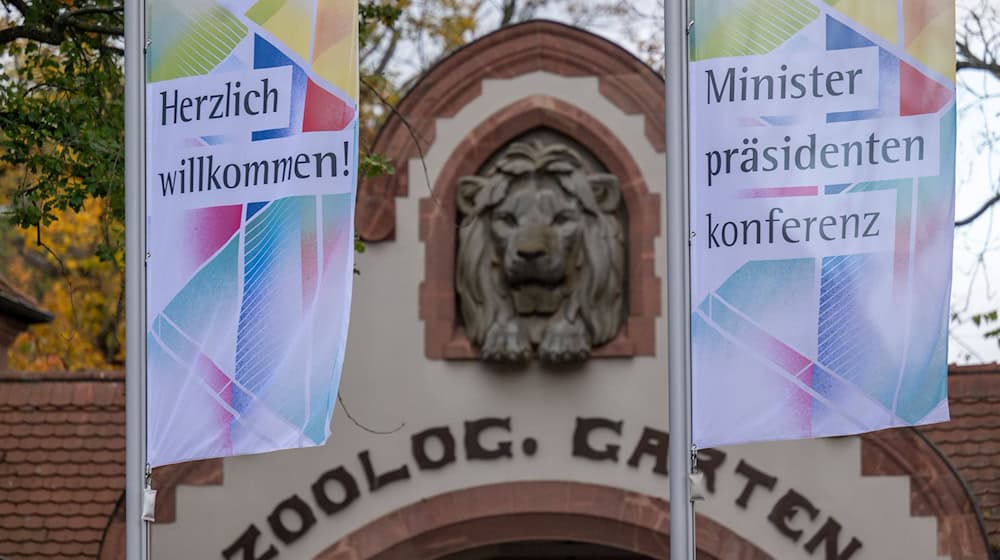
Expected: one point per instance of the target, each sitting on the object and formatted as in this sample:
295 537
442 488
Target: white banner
822 168
251 120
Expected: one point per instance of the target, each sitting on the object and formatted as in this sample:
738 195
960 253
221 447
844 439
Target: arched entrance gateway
506 368
557 520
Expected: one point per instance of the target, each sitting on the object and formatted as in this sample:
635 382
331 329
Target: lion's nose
530 254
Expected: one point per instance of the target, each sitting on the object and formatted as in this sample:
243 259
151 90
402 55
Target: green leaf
374 165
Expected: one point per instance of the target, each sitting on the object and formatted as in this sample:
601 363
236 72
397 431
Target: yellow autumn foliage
69 280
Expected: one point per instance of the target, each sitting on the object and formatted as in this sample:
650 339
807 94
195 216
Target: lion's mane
598 284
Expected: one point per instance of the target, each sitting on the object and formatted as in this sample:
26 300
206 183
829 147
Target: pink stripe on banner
779 353
310 274
901 253
222 385
776 192
746 121
758 339
807 375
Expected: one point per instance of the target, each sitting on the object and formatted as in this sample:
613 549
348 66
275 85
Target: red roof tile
971 440
62 462
17 304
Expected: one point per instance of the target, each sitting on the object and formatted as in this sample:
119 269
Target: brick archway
532 511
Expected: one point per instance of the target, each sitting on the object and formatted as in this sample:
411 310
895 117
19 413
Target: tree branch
986 206
61 25
19 4
969 61
508 13
343 406
409 128
92 10
99 29
11 34
390 51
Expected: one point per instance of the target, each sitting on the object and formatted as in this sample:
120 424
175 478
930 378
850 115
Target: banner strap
148 497
696 479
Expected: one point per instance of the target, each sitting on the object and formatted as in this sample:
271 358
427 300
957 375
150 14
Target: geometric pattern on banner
882 22
918 94
266 55
207 230
762 25
324 111
180 25
928 20
923 23
335 50
839 36
290 21
293 268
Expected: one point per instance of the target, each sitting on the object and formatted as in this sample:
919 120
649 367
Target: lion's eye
507 218
562 218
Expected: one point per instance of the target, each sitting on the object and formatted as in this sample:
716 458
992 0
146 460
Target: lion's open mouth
536 297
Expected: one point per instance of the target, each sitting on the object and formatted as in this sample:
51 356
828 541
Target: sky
976 269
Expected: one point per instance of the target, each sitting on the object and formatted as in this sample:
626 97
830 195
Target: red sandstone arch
527 511
936 488
535 46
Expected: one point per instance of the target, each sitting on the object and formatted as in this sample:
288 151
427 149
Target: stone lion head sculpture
541 256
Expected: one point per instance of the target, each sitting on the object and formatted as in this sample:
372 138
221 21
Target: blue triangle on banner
839 36
836 189
253 208
266 55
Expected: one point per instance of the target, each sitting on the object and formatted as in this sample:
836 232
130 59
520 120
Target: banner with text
251 166
822 202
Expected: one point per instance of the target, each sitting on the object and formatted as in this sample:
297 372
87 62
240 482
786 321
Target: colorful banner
251 120
822 204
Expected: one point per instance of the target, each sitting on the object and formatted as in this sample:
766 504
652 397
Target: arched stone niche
444 336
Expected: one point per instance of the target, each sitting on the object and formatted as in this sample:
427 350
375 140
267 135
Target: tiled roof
971 440
17 304
62 462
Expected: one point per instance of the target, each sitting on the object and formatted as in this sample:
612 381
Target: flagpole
137 530
675 17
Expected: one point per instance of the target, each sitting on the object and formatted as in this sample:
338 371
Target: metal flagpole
137 530
675 18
